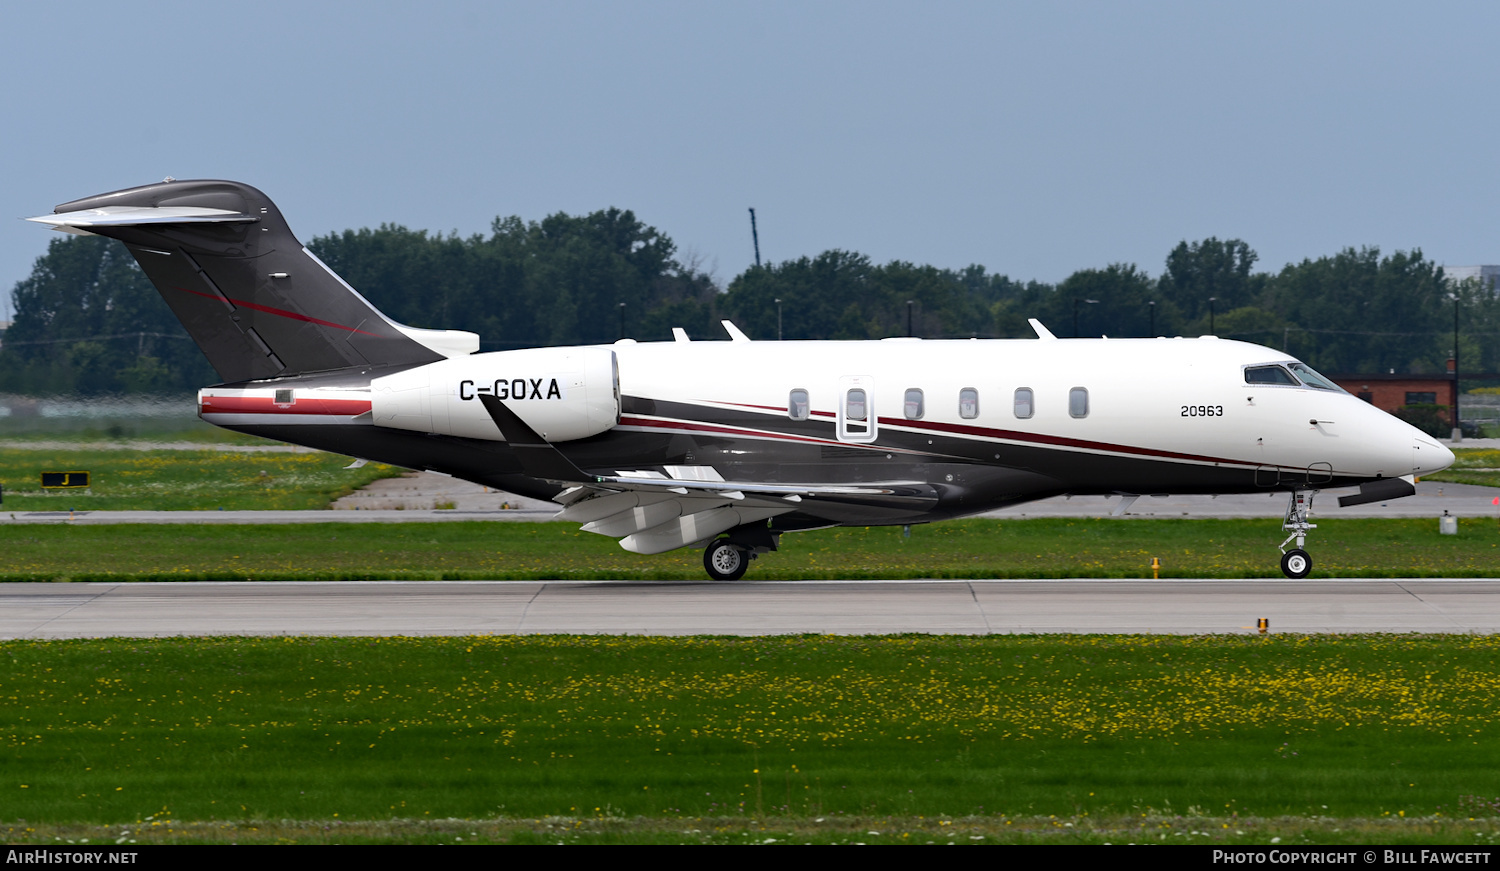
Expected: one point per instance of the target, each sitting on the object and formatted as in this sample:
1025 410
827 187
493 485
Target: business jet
727 445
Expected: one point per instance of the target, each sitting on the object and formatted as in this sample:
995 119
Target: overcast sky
1035 139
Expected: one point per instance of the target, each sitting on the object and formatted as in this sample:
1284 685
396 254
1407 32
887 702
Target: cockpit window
1269 375
1287 374
1311 378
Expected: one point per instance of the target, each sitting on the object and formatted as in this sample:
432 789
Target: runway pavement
38 611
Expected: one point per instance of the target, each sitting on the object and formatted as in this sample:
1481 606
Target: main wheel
724 561
1296 563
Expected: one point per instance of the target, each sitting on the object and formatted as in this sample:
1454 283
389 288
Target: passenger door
857 421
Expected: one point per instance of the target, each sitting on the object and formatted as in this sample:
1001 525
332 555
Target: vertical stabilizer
258 304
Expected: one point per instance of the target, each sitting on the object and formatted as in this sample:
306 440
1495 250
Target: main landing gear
725 561
1296 563
727 558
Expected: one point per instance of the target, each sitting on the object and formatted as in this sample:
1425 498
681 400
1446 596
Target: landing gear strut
1296 563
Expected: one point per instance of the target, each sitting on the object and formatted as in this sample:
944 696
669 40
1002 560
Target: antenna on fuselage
1041 331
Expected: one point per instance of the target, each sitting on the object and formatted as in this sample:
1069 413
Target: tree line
87 321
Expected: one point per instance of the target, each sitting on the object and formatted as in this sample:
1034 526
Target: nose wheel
1296 563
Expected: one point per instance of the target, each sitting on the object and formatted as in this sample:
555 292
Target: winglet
538 458
1041 331
734 332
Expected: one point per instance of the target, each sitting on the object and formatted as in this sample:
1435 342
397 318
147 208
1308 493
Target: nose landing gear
1296 563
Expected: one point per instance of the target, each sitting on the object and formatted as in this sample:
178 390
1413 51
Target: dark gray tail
257 303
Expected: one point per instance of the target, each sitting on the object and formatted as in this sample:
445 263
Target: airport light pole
622 320
1458 431
778 319
1152 304
1211 314
755 237
908 319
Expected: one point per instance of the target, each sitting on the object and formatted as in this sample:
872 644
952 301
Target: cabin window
854 405
284 396
796 405
1269 375
1078 402
914 406
1024 407
968 403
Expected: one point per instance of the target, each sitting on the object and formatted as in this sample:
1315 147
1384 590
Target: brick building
1390 391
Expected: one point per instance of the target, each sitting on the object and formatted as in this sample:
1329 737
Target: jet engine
562 393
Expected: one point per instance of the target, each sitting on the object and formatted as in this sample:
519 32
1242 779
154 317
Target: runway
48 611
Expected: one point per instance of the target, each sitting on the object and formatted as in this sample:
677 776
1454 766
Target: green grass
1031 548
164 480
185 427
643 738
1471 466
163 828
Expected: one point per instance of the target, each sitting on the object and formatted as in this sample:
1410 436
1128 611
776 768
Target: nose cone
1427 456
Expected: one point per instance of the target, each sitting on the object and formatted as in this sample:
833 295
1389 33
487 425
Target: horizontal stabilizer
1379 491
139 216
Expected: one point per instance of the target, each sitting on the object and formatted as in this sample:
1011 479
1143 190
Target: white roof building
1487 275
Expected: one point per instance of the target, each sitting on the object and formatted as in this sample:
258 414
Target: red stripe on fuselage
1031 438
279 312
1057 441
695 426
268 405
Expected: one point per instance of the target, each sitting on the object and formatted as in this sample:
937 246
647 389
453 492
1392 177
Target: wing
656 511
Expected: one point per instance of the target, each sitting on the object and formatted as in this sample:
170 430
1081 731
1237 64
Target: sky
1035 139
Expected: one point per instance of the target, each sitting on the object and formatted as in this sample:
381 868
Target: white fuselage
1184 399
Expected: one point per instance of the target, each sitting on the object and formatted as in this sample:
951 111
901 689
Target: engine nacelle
562 393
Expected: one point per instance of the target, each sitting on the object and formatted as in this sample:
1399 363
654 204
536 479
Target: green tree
1199 271
1479 326
816 294
1120 293
87 320
1360 312
557 281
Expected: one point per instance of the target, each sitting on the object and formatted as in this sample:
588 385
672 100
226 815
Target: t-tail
257 302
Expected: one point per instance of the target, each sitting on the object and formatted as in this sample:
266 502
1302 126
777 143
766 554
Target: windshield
1311 378
1269 375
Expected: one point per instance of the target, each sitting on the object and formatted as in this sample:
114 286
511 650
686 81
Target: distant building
1489 276
1390 391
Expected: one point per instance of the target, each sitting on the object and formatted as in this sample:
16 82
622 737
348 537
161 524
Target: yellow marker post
1155 569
